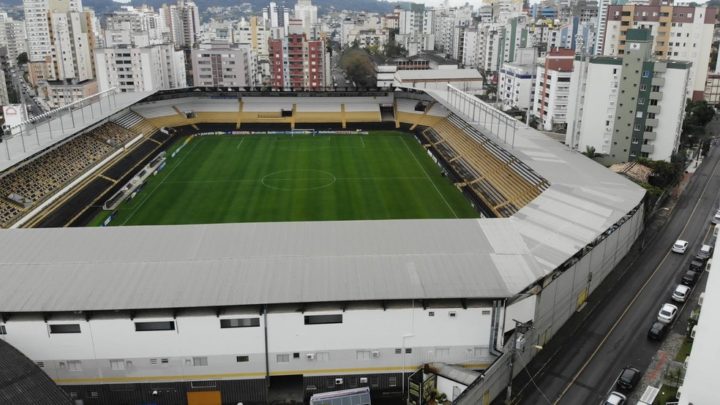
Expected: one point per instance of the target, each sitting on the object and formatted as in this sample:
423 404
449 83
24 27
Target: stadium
227 245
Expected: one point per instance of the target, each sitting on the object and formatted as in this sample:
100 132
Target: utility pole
520 329
531 40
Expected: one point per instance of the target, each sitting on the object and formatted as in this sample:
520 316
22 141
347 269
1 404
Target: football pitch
259 178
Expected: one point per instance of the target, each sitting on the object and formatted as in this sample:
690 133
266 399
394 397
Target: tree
697 115
22 58
359 67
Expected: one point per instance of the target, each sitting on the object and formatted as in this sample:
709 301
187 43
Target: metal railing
59 119
481 114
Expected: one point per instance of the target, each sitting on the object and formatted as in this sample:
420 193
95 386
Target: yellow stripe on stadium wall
220 376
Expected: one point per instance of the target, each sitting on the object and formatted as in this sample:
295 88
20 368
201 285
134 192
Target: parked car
681 293
615 398
657 330
705 252
680 246
690 278
667 313
716 218
628 378
697 265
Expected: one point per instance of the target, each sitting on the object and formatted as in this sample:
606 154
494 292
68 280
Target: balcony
655 95
653 109
658 81
653 122
650 135
660 67
647 148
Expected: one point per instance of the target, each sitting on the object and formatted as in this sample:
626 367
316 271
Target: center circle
292 180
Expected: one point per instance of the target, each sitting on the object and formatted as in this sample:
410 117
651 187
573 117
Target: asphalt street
581 364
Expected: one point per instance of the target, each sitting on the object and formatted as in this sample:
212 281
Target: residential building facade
632 106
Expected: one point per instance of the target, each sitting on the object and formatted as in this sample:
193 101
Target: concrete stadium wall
108 349
562 295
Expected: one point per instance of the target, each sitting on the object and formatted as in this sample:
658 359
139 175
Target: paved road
581 364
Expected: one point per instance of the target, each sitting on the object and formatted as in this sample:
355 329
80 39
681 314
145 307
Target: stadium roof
256 263
266 263
438 74
56 127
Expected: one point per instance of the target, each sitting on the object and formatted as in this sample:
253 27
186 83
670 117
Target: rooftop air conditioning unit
338 381
375 354
310 356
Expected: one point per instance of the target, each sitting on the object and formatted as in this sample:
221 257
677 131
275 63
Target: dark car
689 278
628 378
697 265
657 331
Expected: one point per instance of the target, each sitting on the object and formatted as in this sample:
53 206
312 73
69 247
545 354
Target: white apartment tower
680 33
182 20
632 105
61 40
223 65
307 13
12 37
145 68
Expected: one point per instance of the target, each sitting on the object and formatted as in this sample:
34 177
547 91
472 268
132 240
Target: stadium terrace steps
496 176
129 120
49 173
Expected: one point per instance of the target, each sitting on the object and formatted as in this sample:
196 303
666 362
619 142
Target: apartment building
552 89
223 65
130 67
630 106
680 33
296 62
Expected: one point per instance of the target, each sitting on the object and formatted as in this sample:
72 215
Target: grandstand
54 171
499 179
126 311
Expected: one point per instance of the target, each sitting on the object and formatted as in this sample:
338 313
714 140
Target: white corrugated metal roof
437 74
257 263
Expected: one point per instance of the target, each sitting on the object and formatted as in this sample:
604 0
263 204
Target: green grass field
215 179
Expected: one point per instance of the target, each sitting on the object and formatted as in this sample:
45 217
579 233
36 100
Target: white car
716 218
667 313
681 293
615 398
680 246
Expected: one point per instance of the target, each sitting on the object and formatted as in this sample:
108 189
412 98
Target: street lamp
405 336
520 329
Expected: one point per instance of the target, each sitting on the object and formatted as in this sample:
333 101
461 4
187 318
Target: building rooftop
438 74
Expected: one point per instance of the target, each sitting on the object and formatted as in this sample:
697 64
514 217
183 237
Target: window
363 355
242 359
199 361
392 381
154 326
240 323
74 365
442 353
408 350
646 73
398 351
117 365
322 356
283 358
323 319
3 331
65 328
